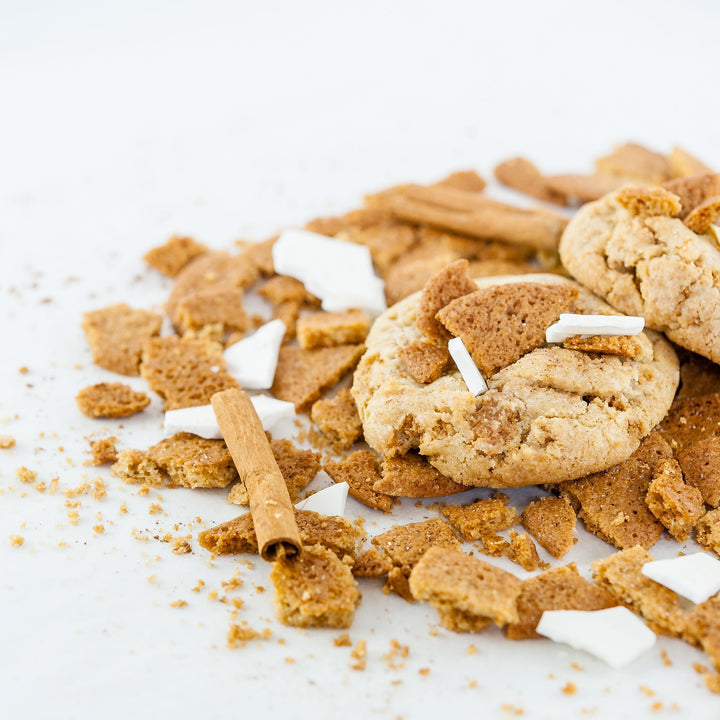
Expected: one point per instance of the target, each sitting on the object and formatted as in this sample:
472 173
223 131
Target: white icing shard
614 635
695 577
330 501
586 326
253 360
272 411
468 369
340 273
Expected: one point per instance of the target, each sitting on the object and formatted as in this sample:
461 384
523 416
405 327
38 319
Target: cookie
552 415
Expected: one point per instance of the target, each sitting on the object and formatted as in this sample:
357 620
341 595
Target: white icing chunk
340 273
468 369
330 501
695 577
271 411
253 360
571 324
614 635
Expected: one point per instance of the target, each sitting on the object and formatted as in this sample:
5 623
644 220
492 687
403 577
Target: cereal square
338 419
411 475
110 400
551 521
359 471
170 258
425 361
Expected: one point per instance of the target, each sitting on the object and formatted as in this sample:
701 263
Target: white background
121 123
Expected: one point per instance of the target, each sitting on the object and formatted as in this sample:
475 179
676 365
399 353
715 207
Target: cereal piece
342 640
493 544
551 521
464 589
298 468
700 463
691 419
135 466
288 312
359 471
523 552
283 289
222 306
411 475
103 451
185 373
406 544
314 589
338 419
707 531
520 174
409 273
174 255
676 505
467 180
386 241
483 517
449 284
372 563
621 345
647 202
117 334
425 361
612 502
303 375
682 164
621 575
584 188
7 442
693 191
110 400
560 588
635 161
238 535
258 254
397 582
704 215
325 329
698 375
502 323
703 628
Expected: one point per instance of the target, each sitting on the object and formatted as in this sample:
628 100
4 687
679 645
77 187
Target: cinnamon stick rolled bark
270 505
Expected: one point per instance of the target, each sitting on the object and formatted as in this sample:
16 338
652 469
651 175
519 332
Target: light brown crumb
359 654
551 521
397 652
424 671
99 529
102 451
342 640
200 585
6 442
522 551
155 509
178 603
110 400
174 255
665 658
570 688
17 540
646 690
620 345
240 635
26 475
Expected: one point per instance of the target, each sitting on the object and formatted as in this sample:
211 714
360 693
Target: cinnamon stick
272 512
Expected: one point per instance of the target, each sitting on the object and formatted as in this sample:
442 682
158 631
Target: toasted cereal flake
551 521
411 475
587 326
359 471
338 419
695 576
425 361
468 369
221 307
110 400
483 517
174 255
619 345
614 635
330 501
325 329
691 419
253 359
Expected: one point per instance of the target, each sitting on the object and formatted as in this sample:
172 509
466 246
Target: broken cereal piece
676 505
682 164
703 628
425 361
694 191
283 289
690 419
649 201
110 400
7 442
621 575
521 175
136 467
397 582
483 517
338 419
170 258
621 345
325 329
411 475
103 451
217 307
560 588
631 160
523 552
466 592
359 471
117 334
704 215
372 563
551 521
303 375
410 272
700 463
314 589
707 531
499 324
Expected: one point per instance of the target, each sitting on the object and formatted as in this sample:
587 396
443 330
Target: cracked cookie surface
553 415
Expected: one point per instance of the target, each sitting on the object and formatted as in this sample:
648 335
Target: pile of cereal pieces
596 418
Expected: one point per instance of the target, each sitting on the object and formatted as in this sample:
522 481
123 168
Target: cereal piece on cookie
170 258
303 375
645 202
359 471
185 373
483 517
682 164
449 284
411 475
676 505
703 628
612 502
523 552
283 288
520 174
621 345
110 400
560 588
694 191
467 593
338 419
700 463
314 589
372 563
551 521
704 215
707 531
631 160
116 335
102 451
326 329
425 361
223 306
691 419
621 575
502 323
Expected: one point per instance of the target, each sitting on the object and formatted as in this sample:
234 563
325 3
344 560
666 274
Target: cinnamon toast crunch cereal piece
483 517
450 283
704 215
283 288
338 419
700 463
372 563
647 202
676 505
703 628
621 575
683 164
359 471
691 419
612 502
551 521
631 160
560 588
258 255
698 375
110 400
170 258
7 442
693 191
116 335
450 579
522 551
409 273
298 468
288 312
314 589
397 582
502 323
425 361
102 451
185 373
222 306
136 467
521 175
303 375
326 329
707 531
411 475
467 180
386 241
621 345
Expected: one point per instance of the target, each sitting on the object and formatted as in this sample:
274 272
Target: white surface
571 324
122 124
695 576
330 501
466 365
198 420
252 361
615 635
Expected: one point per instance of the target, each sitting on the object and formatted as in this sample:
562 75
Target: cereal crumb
6 442
359 654
178 603
17 540
99 528
26 475
342 640
570 688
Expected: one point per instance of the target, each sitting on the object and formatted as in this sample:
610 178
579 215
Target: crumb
99 529
570 688
6 442
483 517
178 603
102 451
424 671
17 540
699 668
200 585
665 658
240 635
411 475
110 400
170 258
359 654
646 690
359 471
551 521
155 509
338 419
26 475
342 640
